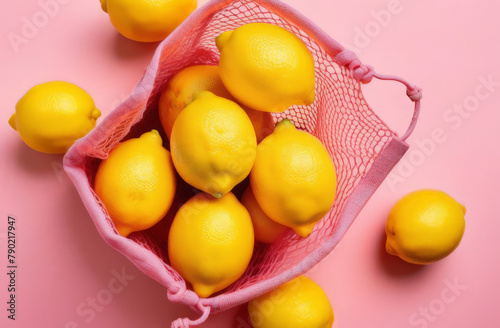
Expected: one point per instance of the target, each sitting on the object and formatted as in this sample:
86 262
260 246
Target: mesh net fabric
340 117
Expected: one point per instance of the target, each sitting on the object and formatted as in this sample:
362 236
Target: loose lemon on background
266 230
266 67
147 20
213 144
182 88
136 183
300 303
210 242
425 226
293 178
51 116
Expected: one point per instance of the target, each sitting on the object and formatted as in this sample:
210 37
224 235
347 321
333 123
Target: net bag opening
364 149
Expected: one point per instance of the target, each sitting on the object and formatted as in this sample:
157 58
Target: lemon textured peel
213 144
147 20
300 303
425 226
186 84
293 178
137 183
51 116
210 242
266 67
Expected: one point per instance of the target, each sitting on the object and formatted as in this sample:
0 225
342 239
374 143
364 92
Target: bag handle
365 73
187 297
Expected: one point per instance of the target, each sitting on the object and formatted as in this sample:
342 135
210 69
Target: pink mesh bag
363 148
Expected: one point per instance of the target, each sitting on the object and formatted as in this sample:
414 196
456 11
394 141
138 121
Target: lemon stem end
310 98
152 136
284 124
96 113
123 230
203 290
104 5
221 40
303 231
12 121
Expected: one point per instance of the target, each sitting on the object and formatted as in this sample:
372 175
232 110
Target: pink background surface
64 266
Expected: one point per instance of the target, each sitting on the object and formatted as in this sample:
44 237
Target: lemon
425 226
136 183
293 178
265 67
266 230
147 20
213 144
211 241
187 83
300 303
51 116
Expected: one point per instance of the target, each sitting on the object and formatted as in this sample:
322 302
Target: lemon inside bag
362 147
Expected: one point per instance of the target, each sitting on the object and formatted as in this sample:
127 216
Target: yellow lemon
293 178
136 183
266 230
210 242
425 226
265 67
187 83
300 303
213 144
147 20
51 116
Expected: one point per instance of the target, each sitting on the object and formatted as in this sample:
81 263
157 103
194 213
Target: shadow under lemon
128 49
393 265
36 163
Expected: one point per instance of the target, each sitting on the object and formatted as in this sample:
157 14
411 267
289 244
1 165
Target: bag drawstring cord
365 73
189 298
